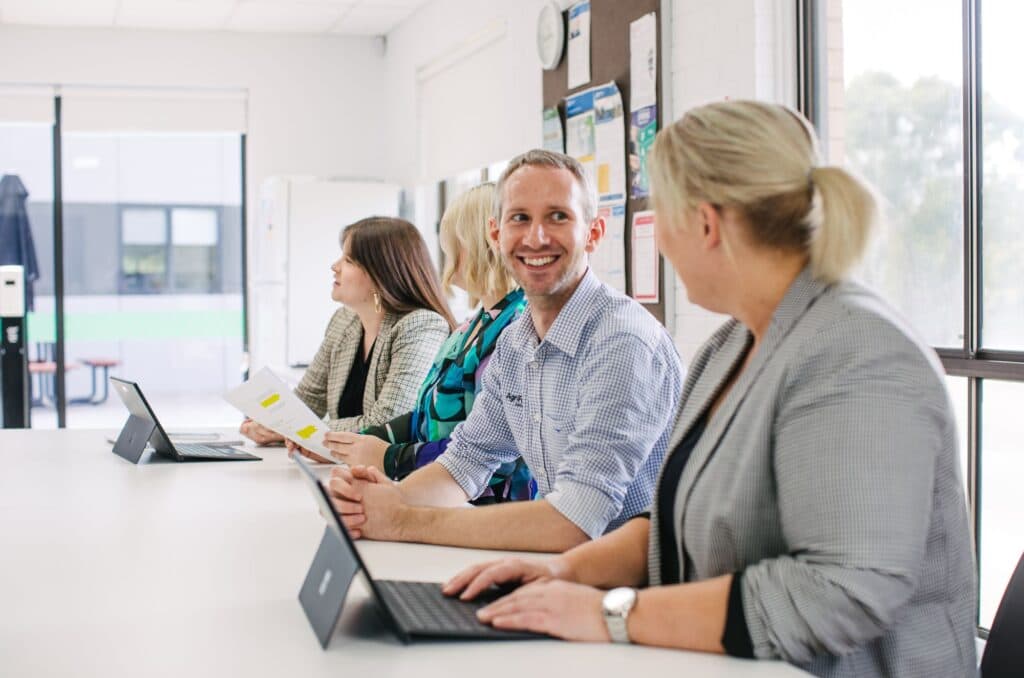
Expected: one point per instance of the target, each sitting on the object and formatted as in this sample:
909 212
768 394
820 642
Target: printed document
267 400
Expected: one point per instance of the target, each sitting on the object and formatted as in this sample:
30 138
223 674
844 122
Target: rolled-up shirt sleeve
483 442
628 396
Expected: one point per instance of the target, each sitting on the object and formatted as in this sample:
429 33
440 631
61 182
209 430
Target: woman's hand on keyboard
476 579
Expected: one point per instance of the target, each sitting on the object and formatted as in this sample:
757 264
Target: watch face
620 600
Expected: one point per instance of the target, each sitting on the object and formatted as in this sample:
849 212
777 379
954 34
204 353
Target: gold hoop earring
376 303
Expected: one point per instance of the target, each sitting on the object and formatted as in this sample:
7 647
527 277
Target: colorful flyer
553 139
580 141
609 144
642 129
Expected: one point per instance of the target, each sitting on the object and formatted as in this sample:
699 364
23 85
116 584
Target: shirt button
533 364
536 418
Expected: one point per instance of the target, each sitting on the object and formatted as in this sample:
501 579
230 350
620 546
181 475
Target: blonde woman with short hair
811 508
446 396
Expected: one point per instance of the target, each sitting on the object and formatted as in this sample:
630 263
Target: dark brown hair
393 254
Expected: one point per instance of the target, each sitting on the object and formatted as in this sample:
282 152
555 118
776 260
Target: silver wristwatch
616 606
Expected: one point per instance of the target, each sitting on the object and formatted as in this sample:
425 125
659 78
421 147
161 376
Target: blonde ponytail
760 159
843 215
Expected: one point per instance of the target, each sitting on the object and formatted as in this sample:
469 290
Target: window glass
153 266
1002 129
192 226
893 115
1002 505
143 227
143 251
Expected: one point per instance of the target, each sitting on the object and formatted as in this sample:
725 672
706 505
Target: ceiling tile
285 17
59 12
174 14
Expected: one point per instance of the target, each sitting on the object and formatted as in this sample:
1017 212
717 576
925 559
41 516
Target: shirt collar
567 330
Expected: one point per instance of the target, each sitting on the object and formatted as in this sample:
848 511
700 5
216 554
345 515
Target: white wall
314 102
736 49
434 60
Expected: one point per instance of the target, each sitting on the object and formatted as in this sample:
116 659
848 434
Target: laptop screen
334 521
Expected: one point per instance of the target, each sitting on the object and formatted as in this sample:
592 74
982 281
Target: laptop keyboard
200 450
423 607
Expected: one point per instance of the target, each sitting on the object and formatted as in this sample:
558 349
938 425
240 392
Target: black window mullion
60 383
972 149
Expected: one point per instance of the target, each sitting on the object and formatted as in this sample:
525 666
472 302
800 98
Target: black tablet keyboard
207 451
422 609
422 606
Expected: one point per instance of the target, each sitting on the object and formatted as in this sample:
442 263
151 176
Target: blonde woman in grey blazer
381 343
811 509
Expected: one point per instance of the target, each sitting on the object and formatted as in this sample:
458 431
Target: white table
193 569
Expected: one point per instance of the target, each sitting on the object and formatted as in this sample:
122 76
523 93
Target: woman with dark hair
380 344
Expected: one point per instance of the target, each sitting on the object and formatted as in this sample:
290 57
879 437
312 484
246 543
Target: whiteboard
317 212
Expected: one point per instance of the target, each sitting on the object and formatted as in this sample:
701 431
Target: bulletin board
609 61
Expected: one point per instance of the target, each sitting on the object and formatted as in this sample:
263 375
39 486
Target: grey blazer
829 478
402 356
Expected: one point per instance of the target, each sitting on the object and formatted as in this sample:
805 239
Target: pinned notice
645 260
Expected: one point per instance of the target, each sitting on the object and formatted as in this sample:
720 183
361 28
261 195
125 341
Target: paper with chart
267 400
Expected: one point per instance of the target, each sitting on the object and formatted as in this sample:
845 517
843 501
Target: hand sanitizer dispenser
13 363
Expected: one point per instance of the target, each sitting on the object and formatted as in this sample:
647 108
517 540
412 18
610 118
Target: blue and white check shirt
590 409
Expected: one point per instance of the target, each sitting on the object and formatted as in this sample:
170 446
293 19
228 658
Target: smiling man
584 386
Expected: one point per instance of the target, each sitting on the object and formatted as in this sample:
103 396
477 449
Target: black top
736 636
667 498
351 402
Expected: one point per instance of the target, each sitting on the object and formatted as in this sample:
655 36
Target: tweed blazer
402 355
829 477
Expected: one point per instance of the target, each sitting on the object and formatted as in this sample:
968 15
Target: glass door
153 274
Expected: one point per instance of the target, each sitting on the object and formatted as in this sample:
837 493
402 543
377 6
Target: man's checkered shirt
590 408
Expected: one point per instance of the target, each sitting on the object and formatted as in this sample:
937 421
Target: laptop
414 610
144 428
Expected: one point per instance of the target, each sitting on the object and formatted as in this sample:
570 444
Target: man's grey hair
550 159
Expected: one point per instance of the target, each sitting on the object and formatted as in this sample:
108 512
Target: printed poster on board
553 139
643 126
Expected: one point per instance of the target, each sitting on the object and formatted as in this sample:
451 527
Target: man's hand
294 449
369 503
259 434
356 449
